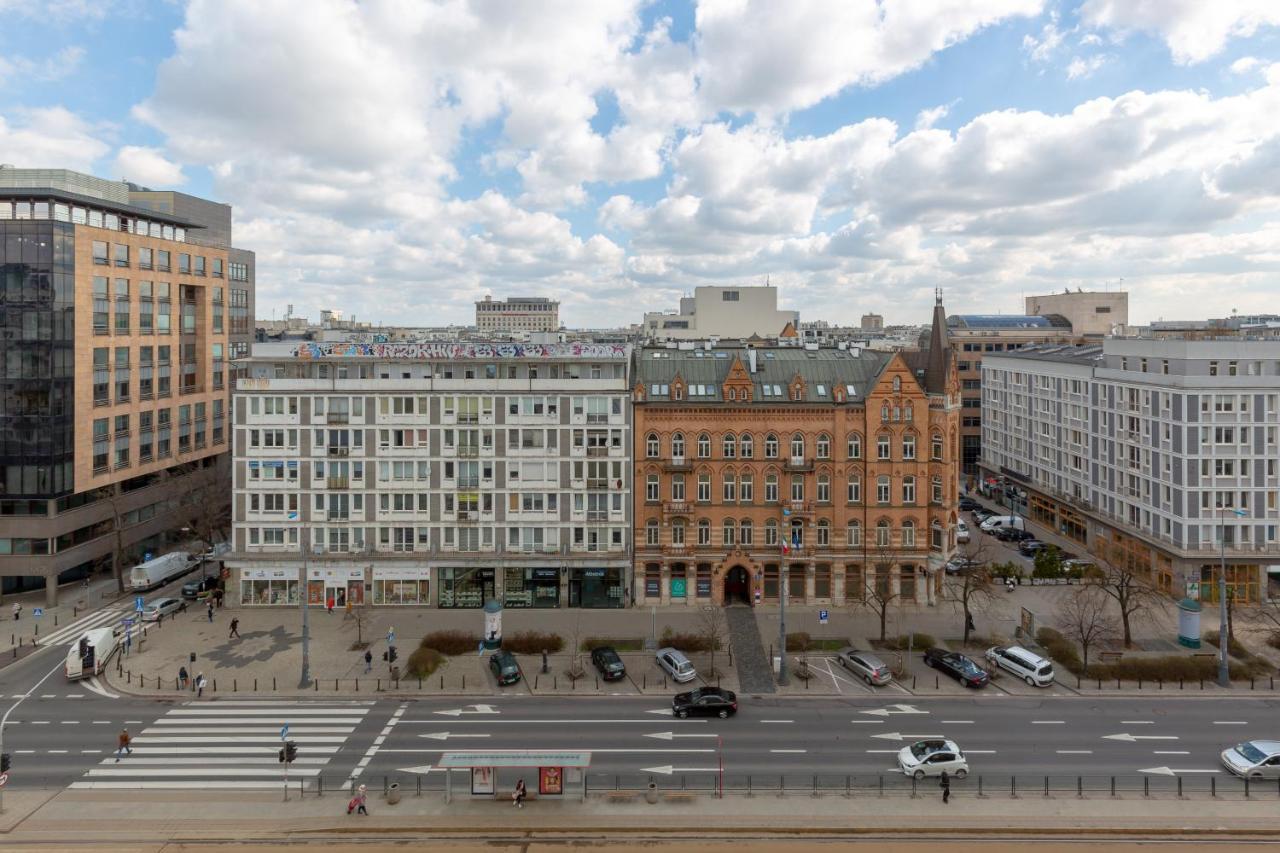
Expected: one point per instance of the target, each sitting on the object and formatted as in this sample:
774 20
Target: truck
88 656
153 573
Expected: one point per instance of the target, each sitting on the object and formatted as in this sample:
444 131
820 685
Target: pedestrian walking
517 797
17 610
359 801
968 622
122 744
235 629
210 609
200 684
183 678
328 605
368 661
944 782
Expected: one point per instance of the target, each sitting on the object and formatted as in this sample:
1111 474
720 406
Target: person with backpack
944 782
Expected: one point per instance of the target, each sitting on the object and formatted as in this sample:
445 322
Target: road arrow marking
901 709
1128 738
667 770
448 735
475 709
670 735
1169 771
899 736
665 712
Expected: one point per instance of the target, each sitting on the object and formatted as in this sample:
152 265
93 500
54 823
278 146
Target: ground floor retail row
730 578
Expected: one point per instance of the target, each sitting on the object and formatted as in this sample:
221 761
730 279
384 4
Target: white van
996 522
89 654
1030 667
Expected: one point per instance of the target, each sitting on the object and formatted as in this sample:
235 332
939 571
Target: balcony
339 451
468 451
468 517
597 451
798 463
337 483
337 418
338 516
677 463
671 509
467 483
597 515
597 482
799 508
675 549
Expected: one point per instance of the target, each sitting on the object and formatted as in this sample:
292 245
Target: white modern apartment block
722 312
1154 450
518 314
438 474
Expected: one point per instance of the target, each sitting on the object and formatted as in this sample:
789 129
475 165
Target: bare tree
712 628
576 669
204 504
1127 587
880 595
1086 619
1264 616
361 615
972 589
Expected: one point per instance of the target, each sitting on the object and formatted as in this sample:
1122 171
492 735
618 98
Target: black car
969 505
1012 534
196 588
606 660
957 666
705 702
1030 547
504 667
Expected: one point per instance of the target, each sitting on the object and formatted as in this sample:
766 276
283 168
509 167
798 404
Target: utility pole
306 623
1224 640
784 535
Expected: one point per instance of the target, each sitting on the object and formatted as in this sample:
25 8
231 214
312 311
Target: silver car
674 662
865 665
160 607
1254 759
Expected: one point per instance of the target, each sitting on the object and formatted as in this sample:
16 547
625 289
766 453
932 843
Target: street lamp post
783 578
305 681
1224 640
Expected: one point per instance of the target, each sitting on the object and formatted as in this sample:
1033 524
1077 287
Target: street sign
822 617
391 636
146 557
137 603
37 612
284 732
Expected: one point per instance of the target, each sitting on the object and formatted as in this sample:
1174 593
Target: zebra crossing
104 618
230 745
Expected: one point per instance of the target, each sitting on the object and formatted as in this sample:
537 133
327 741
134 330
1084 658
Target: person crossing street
122 744
235 629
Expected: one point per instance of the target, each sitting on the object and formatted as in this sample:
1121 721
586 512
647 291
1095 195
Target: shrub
532 642
917 642
451 642
1060 649
620 644
685 642
799 641
1234 648
1000 571
423 662
1274 640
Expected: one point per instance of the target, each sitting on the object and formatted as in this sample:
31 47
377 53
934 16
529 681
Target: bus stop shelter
559 772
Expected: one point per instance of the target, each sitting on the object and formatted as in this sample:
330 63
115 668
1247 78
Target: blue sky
399 162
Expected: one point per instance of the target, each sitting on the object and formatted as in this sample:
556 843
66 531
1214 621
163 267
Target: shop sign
407 573
677 587
651 587
546 574
704 587
593 573
268 574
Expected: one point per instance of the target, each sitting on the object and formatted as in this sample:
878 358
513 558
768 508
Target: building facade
722 312
437 474
1091 314
1153 452
115 400
830 473
517 314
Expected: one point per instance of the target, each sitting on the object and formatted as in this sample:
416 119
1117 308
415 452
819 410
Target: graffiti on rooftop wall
444 350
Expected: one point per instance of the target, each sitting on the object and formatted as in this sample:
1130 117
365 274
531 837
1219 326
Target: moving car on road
504 666
1254 759
957 666
932 757
1030 667
962 533
865 665
609 664
1030 547
676 665
705 702
160 607
969 504
196 588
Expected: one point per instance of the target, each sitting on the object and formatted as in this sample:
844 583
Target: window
651 533
935 447
853 491
797 446
677 532
908 534
100 255
184 263
122 306
101 305
729 445
908 490
727 531
730 488
824 446
704 488
797 487
882 534
771 532
651 488
746 489
824 489
121 253
677 447
704 446
745 446
704 532
908 447
824 533
937 490
677 488
101 376
882 490
746 532
770 446
855 447
771 488
651 446
882 446
853 533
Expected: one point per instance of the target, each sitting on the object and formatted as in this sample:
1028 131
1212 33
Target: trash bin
393 794
395 673
651 793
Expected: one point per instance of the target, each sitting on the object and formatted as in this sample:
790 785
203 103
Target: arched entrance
737 586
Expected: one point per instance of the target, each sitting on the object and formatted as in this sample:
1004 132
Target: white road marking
980 752
657 735
1169 771
70 722
667 769
146 738
25 751
882 751
868 722
1128 738
378 741
57 751
556 721
1137 722
789 751
1231 722
124 771
890 710
1048 722
95 686
221 750
39 722
957 722
48 696
1074 751
448 735
475 709
263 730
238 713
777 721
899 736
90 752
271 723
1170 752
176 784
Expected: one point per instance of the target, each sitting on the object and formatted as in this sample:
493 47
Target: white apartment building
1156 450
722 312
518 314
436 474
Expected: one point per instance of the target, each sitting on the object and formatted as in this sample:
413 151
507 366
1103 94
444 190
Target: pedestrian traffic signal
280 754
391 654
290 752
4 763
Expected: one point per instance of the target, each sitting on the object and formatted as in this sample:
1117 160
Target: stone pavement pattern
755 672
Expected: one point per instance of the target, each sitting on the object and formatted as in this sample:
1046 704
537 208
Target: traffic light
4 763
290 752
391 654
280 754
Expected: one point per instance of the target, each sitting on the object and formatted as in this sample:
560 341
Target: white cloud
1042 49
61 65
926 119
1081 67
148 166
49 137
1245 64
1194 30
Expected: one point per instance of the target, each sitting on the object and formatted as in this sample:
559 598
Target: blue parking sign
822 617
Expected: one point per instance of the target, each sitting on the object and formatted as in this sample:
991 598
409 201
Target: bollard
1099 683
1202 684
273 683
215 685
442 682
419 682
913 682
935 682
255 685
335 685
358 684
1246 787
848 785
316 682
1117 684
1251 682
1179 787
913 787
464 681
535 681
320 786
1139 684
1013 787
749 794
1080 787
1213 787
555 682
1113 786
1146 786
1077 682
598 682
175 684
1180 684
1161 681
1046 786
644 680
378 686
881 778
980 794
233 685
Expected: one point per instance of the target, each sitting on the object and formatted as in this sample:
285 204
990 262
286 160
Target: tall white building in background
722 312
517 314
1147 449
443 474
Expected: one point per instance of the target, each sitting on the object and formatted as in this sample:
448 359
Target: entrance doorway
737 586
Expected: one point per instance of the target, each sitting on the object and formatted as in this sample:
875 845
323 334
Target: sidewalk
74 601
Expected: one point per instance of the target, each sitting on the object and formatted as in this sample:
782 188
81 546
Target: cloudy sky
400 159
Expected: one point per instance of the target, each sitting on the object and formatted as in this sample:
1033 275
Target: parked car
865 665
196 588
504 667
957 666
981 515
960 565
676 665
968 504
1254 759
962 533
995 522
1078 565
1028 666
160 607
705 702
1030 547
932 757
1012 534
609 664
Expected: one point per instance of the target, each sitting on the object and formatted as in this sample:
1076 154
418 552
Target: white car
160 607
932 757
1028 666
962 533
1254 759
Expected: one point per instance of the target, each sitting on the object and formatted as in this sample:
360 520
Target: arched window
936 494
797 487
745 531
908 534
677 446
651 533
882 446
911 412
704 532
884 412
797 446
853 533
882 489
797 533
746 488
882 534
745 448
824 488
855 446
824 446
729 445
730 490
677 487
935 447
651 446
677 532
704 446
897 384
908 490
704 488
770 446
733 394
824 533
908 446
651 488
771 532
935 536
853 493
771 488
727 531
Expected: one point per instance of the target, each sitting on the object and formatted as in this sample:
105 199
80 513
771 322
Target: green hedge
423 662
451 642
532 642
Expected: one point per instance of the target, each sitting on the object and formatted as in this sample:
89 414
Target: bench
680 797
619 796
1111 656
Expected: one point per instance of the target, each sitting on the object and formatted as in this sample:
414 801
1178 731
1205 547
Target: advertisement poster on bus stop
550 780
482 780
